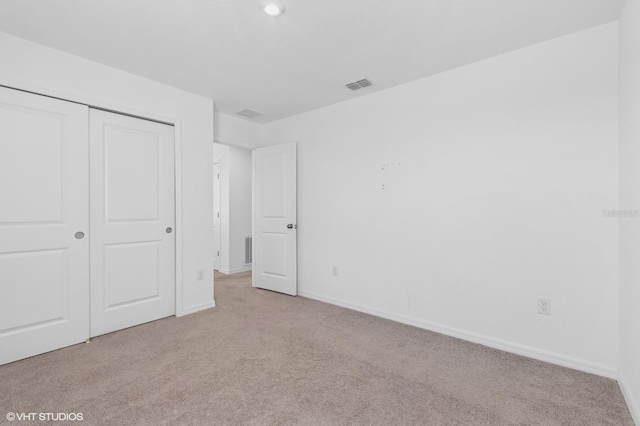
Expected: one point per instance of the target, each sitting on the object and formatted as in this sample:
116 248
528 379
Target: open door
44 216
275 228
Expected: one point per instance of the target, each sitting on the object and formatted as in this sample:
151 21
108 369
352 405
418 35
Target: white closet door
44 202
132 221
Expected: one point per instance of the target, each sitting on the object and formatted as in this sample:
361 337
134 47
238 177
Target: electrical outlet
334 270
200 274
544 306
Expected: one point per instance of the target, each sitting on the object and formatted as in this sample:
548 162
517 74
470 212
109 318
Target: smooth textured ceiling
231 52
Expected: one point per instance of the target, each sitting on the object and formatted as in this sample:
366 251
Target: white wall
629 375
235 131
240 199
40 69
454 201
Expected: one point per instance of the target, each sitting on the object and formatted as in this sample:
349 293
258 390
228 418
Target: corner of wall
629 198
626 392
238 132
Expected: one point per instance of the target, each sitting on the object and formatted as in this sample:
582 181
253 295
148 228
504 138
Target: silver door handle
292 226
79 235
168 230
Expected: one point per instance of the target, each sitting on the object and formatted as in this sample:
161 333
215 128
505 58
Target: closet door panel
44 202
132 221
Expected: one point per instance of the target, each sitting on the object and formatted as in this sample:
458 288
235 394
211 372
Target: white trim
90 101
236 270
177 130
198 308
218 256
516 348
253 216
142 113
633 408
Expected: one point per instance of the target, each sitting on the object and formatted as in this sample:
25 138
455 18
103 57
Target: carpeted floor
265 358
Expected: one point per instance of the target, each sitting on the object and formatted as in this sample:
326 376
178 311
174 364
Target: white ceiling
229 51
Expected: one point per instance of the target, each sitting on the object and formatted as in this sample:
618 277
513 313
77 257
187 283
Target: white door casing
44 199
132 211
275 219
217 243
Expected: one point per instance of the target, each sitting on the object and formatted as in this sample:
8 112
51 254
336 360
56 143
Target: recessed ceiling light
272 7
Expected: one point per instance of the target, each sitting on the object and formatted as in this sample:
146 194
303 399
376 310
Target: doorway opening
232 209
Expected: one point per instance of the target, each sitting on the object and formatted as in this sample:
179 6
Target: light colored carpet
265 358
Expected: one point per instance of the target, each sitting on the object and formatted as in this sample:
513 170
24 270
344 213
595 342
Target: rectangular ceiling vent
360 84
249 113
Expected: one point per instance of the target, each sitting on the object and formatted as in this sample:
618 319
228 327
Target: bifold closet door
132 221
44 222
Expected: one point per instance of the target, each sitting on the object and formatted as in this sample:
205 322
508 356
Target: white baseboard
235 271
633 407
198 308
516 348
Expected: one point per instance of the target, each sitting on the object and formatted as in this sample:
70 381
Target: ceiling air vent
249 113
360 84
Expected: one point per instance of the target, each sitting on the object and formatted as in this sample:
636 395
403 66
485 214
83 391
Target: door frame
218 161
253 218
137 112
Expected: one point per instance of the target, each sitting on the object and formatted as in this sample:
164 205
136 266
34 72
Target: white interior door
217 243
132 220
274 245
44 202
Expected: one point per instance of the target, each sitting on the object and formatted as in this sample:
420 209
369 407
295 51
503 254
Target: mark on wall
388 168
